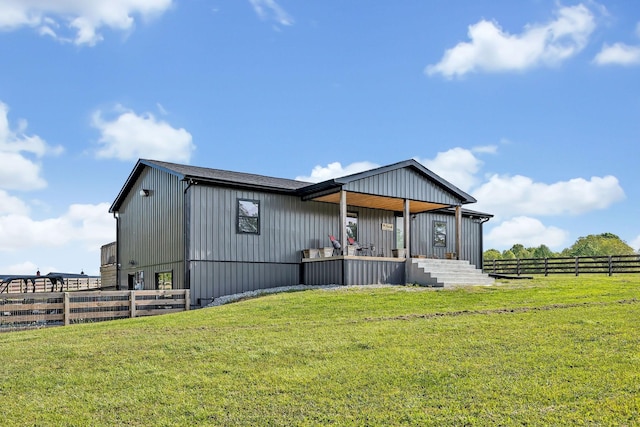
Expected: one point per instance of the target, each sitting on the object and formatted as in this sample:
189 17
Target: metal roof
280 185
225 176
327 186
209 175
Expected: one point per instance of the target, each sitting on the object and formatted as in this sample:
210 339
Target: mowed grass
552 351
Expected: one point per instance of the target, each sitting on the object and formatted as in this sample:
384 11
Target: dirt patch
498 311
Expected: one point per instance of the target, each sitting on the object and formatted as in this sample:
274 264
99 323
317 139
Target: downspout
186 212
116 215
481 222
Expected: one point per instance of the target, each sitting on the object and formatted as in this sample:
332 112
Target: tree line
604 244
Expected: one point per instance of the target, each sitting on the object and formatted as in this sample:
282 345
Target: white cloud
87 225
20 153
458 165
527 231
12 205
335 170
130 136
83 18
519 195
493 50
270 10
618 54
486 149
635 244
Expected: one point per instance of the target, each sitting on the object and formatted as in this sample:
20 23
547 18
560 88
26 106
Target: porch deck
353 270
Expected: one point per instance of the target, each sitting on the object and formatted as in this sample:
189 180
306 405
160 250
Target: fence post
518 267
132 303
577 267
187 299
66 308
546 267
494 266
610 266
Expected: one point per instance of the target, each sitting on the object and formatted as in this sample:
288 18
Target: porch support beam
407 230
343 220
458 231
407 240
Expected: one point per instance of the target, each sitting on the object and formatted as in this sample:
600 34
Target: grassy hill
552 351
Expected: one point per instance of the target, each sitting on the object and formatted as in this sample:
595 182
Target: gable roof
332 184
208 175
280 185
219 176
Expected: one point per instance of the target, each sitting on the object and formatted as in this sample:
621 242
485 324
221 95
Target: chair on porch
362 250
337 247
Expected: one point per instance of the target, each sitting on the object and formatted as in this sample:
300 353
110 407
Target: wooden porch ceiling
380 202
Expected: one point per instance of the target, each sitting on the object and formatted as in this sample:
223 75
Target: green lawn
552 351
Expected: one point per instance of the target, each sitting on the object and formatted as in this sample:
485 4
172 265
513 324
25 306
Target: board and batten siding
287 225
212 279
405 184
422 237
223 261
151 229
370 229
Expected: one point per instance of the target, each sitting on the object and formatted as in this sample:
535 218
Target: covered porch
404 210
383 209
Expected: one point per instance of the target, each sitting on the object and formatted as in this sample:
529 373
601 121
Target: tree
508 254
519 251
543 251
491 254
599 245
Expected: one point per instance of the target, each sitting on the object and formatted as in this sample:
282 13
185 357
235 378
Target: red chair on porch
337 247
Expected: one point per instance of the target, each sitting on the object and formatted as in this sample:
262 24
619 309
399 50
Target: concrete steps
446 273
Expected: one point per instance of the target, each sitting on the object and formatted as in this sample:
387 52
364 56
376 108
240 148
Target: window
248 216
439 233
352 225
164 281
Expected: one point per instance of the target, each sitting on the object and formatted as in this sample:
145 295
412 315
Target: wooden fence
565 265
44 309
42 284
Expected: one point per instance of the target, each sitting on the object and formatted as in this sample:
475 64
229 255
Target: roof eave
464 197
235 184
133 176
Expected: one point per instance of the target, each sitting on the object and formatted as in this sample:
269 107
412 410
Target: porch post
343 221
407 231
407 240
458 231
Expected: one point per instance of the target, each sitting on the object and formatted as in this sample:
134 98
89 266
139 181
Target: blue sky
532 106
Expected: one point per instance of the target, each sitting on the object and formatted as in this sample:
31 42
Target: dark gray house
219 232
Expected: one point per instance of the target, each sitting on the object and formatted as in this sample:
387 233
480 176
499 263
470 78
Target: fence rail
610 265
45 309
43 284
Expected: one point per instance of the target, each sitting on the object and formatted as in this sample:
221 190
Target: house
220 232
